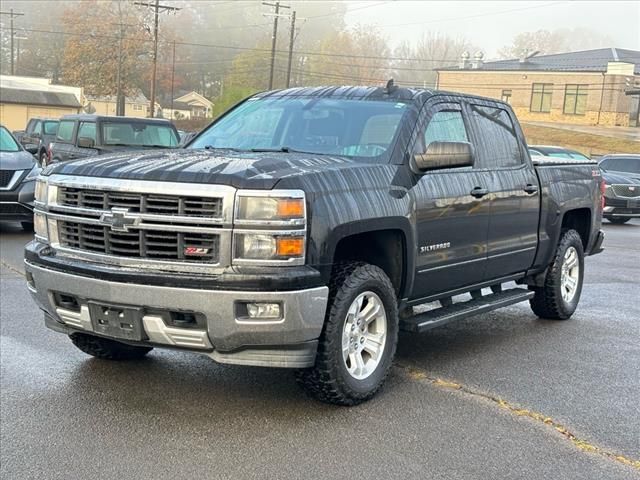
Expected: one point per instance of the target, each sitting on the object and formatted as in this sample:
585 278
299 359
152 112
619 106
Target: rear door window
65 131
497 145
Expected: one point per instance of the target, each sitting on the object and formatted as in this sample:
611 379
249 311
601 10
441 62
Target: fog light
263 310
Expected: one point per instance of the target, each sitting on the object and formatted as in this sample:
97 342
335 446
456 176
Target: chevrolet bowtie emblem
119 220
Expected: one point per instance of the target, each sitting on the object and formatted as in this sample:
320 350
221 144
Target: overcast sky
493 24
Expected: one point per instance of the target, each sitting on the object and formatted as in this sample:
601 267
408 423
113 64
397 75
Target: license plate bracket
116 321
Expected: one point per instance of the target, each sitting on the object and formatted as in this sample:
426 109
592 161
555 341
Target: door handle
479 192
531 189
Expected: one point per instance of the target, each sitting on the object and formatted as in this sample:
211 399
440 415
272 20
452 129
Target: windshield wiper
211 147
282 149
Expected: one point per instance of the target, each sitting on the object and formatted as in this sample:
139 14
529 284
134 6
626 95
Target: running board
457 311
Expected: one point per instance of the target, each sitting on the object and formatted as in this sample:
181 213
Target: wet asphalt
441 415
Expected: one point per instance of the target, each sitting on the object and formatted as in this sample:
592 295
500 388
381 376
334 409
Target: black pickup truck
301 228
38 135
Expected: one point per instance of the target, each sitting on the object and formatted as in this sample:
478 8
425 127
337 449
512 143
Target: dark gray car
18 171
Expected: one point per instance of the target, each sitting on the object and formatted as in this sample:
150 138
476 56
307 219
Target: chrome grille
149 244
190 206
5 177
627 191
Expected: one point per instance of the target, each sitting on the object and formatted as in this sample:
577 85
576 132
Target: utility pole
157 10
12 14
119 97
276 14
173 72
292 37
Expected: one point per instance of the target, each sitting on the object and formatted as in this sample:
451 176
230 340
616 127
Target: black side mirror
445 155
85 142
32 150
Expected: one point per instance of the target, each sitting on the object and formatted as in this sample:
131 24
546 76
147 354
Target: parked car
81 136
18 171
557 152
300 229
39 133
621 174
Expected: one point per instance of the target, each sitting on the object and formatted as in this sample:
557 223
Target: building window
541 97
137 106
506 96
575 99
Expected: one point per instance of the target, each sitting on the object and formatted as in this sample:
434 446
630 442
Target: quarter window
65 131
575 99
501 148
541 97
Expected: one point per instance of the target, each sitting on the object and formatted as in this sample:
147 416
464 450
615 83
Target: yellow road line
420 375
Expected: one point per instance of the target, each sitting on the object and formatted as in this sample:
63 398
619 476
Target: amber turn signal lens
290 246
290 208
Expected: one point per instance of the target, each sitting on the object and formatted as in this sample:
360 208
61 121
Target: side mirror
85 142
445 155
32 150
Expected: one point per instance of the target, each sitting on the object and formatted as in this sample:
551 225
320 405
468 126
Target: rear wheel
107 349
359 339
558 298
619 220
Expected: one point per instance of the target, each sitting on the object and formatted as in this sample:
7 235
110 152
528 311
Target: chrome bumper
288 342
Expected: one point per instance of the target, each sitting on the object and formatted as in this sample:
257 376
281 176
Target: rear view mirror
86 142
445 155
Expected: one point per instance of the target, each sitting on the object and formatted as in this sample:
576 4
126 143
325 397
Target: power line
277 6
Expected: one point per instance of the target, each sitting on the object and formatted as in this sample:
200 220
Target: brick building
592 87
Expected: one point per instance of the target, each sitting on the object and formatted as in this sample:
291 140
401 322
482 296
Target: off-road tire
107 349
618 220
548 302
329 380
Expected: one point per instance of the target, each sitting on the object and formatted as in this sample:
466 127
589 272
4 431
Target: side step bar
457 311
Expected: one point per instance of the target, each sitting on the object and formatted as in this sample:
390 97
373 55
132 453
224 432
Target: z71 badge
436 246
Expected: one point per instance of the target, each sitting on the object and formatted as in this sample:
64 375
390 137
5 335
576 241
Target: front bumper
621 207
288 342
17 205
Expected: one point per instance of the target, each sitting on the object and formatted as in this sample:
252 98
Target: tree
91 49
431 51
355 57
556 41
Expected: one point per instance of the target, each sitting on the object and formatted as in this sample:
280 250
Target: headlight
33 174
40 226
41 191
279 207
265 246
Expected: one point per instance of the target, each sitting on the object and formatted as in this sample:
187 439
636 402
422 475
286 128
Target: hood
239 169
621 178
16 160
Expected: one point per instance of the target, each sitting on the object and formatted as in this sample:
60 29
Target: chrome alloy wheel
570 275
364 335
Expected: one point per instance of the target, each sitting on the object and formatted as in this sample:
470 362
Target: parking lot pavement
468 400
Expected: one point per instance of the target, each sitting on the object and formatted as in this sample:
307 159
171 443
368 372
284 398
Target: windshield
7 143
622 164
50 128
137 134
325 126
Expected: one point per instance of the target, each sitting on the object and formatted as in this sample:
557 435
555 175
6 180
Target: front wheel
558 298
359 339
618 220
